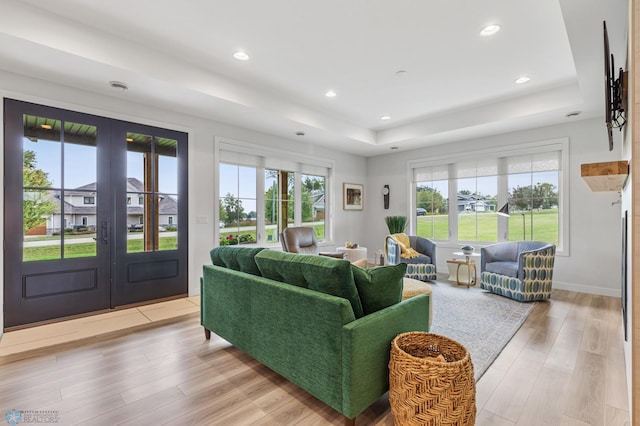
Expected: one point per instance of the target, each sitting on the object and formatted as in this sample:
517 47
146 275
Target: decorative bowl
467 249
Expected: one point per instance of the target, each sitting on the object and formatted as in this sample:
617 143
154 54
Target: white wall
592 264
593 261
347 225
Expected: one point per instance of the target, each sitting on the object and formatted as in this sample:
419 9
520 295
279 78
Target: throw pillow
237 258
379 287
319 273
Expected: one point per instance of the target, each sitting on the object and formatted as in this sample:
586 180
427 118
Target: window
313 203
237 204
141 201
528 183
432 204
261 193
89 200
170 219
85 222
128 201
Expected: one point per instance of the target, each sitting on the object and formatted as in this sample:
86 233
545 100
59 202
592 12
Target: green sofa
320 322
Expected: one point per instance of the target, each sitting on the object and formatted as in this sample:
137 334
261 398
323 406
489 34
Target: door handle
105 233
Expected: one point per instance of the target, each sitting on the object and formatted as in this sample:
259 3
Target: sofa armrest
366 349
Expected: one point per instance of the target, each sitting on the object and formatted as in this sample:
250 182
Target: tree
538 196
431 200
232 208
223 213
36 204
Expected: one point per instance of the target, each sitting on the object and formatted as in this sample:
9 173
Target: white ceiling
458 85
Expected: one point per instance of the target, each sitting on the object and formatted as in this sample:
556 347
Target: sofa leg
207 334
349 422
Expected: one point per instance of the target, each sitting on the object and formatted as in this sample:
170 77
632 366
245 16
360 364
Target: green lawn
485 225
87 249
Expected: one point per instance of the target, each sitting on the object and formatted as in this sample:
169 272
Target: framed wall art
352 196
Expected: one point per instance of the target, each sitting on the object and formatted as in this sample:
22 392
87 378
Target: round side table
353 254
472 275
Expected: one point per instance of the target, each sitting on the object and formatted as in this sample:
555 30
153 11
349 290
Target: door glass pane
152 193
139 187
56 215
42 152
41 226
41 208
166 225
80 189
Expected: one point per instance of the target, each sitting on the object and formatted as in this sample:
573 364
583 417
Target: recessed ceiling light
118 85
522 80
241 56
331 94
46 126
490 30
385 118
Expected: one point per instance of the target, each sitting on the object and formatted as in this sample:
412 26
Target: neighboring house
317 200
475 203
80 208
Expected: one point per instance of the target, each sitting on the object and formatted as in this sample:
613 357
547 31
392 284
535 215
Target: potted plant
396 224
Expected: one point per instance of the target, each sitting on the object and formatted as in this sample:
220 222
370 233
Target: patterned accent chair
421 268
519 270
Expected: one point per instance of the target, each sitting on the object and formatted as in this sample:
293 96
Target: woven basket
426 392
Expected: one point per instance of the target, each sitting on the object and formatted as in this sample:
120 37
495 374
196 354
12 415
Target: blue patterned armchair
519 270
421 268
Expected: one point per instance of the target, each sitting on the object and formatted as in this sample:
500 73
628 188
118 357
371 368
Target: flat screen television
615 91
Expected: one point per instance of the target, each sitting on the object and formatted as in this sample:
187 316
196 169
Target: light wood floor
565 366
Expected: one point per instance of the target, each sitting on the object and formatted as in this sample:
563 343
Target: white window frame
558 144
262 158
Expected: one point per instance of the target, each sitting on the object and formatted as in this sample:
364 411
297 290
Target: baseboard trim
602 291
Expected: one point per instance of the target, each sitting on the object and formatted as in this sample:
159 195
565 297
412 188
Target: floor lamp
504 211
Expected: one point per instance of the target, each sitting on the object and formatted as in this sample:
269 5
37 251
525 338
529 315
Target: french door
95 213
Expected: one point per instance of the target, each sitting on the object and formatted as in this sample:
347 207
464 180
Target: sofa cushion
236 258
320 273
379 287
509 269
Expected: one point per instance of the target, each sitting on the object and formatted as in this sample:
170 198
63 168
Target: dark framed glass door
150 250
71 244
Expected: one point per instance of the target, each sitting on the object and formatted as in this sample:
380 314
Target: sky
81 165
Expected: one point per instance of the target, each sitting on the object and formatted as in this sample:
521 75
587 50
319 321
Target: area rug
481 321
